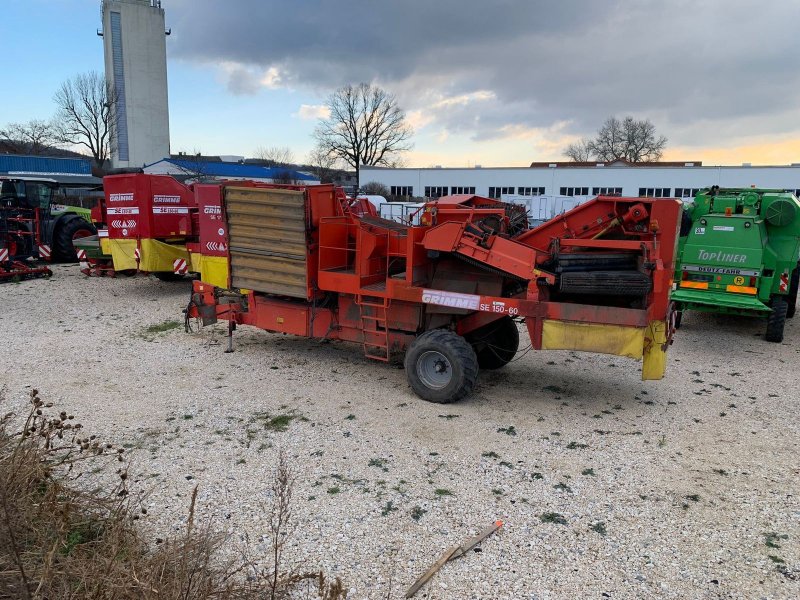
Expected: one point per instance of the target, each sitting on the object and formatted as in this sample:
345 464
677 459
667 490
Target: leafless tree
579 151
193 166
33 137
375 188
276 156
323 164
365 127
285 176
627 139
86 116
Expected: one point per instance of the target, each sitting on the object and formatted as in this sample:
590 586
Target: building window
496 192
462 190
574 191
655 192
435 192
606 191
530 191
686 192
402 190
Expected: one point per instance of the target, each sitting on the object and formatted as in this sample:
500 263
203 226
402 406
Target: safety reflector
741 289
698 285
3 254
137 254
784 285
44 251
179 266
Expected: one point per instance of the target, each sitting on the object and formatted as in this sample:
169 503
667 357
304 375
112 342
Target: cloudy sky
491 82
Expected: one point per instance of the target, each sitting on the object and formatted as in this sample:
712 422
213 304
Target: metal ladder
375 331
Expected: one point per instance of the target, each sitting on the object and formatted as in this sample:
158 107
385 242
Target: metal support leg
231 327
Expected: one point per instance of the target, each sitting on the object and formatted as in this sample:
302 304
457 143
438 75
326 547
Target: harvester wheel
441 366
495 344
167 276
776 320
71 229
794 283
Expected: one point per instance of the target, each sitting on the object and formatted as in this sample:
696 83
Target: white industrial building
661 180
134 42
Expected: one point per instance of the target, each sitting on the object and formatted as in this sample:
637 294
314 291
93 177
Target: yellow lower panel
654 364
213 270
155 256
158 256
123 253
592 337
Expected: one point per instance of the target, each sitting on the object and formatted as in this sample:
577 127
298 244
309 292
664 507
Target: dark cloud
695 68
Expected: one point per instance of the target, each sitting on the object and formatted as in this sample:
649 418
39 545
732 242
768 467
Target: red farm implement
24 211
447 293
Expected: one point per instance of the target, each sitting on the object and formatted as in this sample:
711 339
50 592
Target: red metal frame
381 283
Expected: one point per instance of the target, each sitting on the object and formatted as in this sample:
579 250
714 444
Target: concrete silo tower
134 41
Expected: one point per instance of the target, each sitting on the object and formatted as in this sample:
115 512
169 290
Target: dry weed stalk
60 539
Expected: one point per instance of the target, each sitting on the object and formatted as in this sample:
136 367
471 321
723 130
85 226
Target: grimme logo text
722 256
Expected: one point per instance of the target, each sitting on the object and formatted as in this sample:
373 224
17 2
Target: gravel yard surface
610 487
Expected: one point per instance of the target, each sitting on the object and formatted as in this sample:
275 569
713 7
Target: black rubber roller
606 283
595 261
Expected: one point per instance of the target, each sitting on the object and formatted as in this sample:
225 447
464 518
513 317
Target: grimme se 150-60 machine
448 293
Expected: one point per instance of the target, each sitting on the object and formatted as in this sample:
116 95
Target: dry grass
60 539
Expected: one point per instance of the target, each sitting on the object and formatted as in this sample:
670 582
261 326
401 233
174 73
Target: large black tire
167 276
777 320
678 319
495 344
794 283
441 366
70 228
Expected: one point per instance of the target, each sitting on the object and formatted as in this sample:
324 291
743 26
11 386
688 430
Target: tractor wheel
776 320
441 366
678 319
167 276
495 344
794 283
69 230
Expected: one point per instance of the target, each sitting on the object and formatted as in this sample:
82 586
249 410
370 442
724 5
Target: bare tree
33 137
628 139
193 166
87 114
323 164
375 188
276 156
365 127
579 151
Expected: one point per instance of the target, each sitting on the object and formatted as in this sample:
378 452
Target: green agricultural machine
738 254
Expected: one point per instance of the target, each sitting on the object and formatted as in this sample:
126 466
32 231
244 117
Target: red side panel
147 206
213 230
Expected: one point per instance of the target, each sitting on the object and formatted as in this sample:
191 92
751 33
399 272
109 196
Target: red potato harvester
449 292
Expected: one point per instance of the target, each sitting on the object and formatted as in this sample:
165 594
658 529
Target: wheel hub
434 369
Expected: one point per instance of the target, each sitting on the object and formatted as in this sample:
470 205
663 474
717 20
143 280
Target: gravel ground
656 489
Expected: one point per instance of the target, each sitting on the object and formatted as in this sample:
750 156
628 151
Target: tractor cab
27 193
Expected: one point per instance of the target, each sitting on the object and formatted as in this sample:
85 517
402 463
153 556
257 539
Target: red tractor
449 292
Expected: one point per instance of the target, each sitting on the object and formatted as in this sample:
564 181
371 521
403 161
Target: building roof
29 165
621 162
226 169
